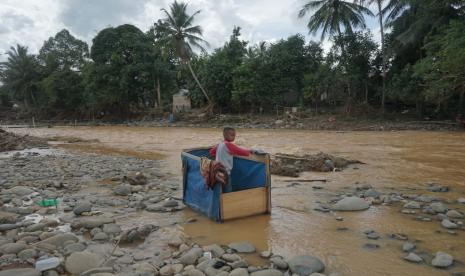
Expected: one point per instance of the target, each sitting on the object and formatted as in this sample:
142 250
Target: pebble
442 260
267 272
412 205
242 247
20 271
414 258
454 214
171 269
81 207
408 246
351 203
230 257
266 254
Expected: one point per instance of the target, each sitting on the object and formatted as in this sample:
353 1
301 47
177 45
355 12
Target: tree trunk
348 101
461 100
158 93
198 83
366 91
383 52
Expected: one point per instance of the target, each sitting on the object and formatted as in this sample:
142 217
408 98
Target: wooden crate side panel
244 203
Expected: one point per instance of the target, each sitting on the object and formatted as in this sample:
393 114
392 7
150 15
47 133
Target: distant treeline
419 65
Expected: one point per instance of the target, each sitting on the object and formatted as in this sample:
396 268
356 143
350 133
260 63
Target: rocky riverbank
115 216
120 215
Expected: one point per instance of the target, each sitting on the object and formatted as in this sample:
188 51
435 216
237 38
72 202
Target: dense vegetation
419 65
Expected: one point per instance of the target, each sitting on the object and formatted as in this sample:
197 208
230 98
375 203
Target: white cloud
31 22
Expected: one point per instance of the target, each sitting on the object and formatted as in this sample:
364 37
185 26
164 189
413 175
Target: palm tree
393 9
178 32
329 15
379 5
20 74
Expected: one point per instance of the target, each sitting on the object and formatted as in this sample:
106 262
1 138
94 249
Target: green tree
216 70
122 72
20 75
442 71
64 51
182 36
380 14
63 92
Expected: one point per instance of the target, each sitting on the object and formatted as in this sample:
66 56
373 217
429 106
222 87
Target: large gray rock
438 207
230 257
239 272
7 217
351 203
461 200
60 239
191 256
267 272
412 205
442 260
112 229
454 214
81 207
79 262
8 227
92 222
20 271
123 190
19 191
168 270
27 254
193 272
74 247
305 265
215 249
372 193
279 263
448 224
242 247
12 248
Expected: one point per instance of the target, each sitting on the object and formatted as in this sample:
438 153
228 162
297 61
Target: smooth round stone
305 265
442 260
414 258
351 203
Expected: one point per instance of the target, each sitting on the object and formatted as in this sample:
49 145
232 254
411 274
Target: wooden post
33 122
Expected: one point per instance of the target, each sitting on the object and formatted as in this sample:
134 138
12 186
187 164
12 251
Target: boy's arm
213 151
236 150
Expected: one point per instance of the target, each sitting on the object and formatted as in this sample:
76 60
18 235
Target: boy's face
230 135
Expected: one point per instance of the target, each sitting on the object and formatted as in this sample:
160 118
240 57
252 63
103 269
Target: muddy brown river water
395 161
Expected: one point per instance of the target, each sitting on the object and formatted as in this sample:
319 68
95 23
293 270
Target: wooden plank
244 203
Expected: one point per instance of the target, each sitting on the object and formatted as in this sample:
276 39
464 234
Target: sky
31 22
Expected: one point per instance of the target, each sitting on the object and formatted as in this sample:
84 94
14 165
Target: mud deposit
410 193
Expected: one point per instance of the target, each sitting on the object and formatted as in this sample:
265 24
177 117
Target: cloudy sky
31 22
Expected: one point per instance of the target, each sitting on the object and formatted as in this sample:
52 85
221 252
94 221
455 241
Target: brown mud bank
10 141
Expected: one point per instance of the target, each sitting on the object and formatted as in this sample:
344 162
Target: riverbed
402 162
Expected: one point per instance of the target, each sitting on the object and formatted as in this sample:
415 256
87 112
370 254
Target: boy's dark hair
226 129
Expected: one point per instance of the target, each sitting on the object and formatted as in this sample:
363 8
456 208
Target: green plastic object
48 202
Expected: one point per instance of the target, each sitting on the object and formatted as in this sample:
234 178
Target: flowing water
395 161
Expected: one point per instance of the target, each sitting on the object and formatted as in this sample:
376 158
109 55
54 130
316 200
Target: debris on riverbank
293 165
10 141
